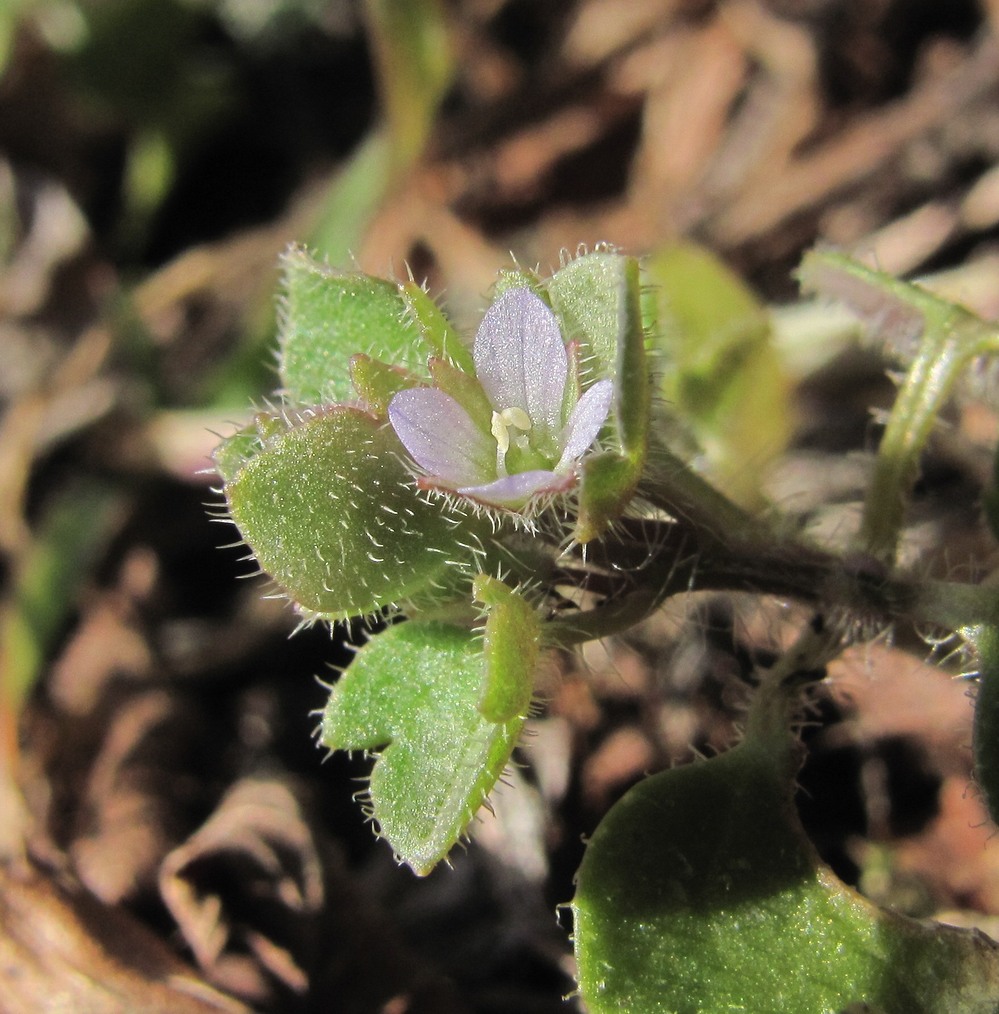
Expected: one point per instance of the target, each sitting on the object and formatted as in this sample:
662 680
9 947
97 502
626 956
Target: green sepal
574 379
511 646
631 374
412 693
440 337
465 390
520 278
236 450
326 317
606 487
698 892
609 480
376 382
332 515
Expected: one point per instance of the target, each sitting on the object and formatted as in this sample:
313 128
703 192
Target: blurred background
171 838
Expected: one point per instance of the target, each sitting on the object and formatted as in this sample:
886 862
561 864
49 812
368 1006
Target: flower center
500 429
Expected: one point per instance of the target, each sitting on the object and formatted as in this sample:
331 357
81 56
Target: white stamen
500 429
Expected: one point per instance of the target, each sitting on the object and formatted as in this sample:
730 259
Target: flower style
525 437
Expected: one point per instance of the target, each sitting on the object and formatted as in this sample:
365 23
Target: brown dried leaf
128 818
63 951
867 145
246 888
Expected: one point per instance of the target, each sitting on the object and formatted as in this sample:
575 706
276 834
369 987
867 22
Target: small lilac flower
532 441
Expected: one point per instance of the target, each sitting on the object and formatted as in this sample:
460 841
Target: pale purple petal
441 437
585 422
515 490
520 358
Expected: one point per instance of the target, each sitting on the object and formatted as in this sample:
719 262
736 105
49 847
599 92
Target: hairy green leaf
587 295
327 317
332 514
413 692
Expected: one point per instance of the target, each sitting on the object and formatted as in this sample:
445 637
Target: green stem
956 607
672 486
774 703
611 618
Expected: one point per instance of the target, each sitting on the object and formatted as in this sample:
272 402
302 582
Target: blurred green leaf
71 535
147 61
353 198
151 70
699 893
332 514
149 174
11 13
720 373
990 495
415 65
412 692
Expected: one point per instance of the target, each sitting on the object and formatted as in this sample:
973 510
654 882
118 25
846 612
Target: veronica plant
469 487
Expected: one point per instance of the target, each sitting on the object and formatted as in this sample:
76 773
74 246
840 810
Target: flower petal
585 422
441 437
514 491
520 359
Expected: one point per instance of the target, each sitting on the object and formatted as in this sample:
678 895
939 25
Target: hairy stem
651 561
935 339
950 339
